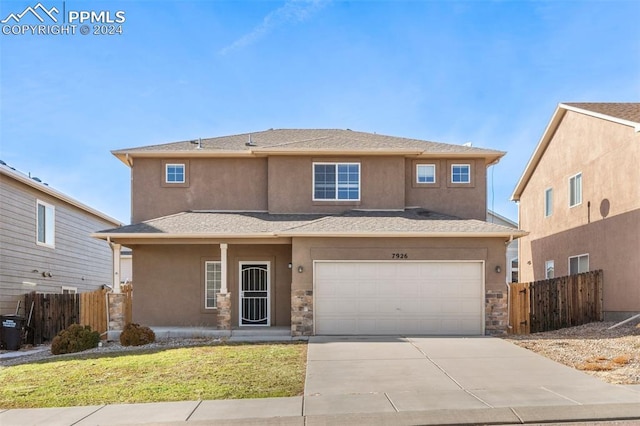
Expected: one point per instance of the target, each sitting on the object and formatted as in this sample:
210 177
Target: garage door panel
398 298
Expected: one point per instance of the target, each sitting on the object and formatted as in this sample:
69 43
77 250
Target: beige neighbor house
579 197
320 231
45 243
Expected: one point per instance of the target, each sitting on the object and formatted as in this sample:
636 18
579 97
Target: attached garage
405 297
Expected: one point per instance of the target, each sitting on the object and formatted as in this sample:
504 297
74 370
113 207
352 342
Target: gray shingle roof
410 222
330 140
623 110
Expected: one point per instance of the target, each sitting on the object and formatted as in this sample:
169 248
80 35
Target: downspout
509 326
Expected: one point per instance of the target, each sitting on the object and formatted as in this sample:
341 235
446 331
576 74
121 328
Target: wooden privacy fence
55 312
555 303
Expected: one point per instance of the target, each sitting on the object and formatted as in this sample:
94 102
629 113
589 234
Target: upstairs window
460 173
578 264
45 224
575 190
336 181
426 173
548 202
174 173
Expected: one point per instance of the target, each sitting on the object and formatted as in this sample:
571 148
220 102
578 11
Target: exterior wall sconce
498 269
300 269
290 265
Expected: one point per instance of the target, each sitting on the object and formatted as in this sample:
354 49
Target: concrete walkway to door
398 374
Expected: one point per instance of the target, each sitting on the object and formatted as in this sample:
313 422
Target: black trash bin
11 327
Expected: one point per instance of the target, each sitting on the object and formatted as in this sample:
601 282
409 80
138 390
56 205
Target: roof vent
250 142
197 142
36 179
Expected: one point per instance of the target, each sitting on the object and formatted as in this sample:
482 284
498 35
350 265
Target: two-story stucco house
45 243
322 231
579 199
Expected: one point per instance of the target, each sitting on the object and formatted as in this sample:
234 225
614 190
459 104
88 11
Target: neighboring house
322 231
45 243
511 271
579 199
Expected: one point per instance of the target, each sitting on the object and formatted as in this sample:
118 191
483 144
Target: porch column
224 298
116 248
223 268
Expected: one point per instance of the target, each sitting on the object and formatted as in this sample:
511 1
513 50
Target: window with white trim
426 173
174 173
575 190
336 181
549 269
514 270
548 202
212 284
578 264
69 290
45 223
460 173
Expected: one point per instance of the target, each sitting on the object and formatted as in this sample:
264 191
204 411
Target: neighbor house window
212 282
460 173
548 202
69 290
175 173
45 224
426 173
336 181
578 264
514 270
549 270
575 190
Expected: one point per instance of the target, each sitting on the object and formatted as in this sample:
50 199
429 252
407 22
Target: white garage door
433 298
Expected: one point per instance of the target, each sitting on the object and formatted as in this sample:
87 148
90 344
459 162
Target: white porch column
223 268
116 248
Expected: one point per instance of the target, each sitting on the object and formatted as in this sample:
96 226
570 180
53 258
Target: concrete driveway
396 374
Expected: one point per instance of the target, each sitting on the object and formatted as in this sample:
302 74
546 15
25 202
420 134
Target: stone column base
496 312
223 302
302 313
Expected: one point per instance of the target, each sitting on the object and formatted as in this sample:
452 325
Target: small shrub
622 359
75 338
135 335
595 366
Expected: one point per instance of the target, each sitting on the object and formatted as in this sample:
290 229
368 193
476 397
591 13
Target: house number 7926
399 256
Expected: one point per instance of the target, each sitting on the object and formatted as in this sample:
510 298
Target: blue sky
486 72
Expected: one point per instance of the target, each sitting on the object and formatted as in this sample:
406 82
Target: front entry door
254 293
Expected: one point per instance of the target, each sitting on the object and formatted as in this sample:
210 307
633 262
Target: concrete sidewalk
392 380
290 411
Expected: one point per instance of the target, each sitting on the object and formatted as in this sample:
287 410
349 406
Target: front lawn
179 374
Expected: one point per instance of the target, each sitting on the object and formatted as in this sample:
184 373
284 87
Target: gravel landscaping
44 352
611 355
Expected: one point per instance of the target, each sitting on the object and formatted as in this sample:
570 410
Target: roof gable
305 141
627 114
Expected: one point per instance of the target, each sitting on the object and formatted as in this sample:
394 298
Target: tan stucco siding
212 184
490 250
467 201
291 184
169 284
606 154
612 245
